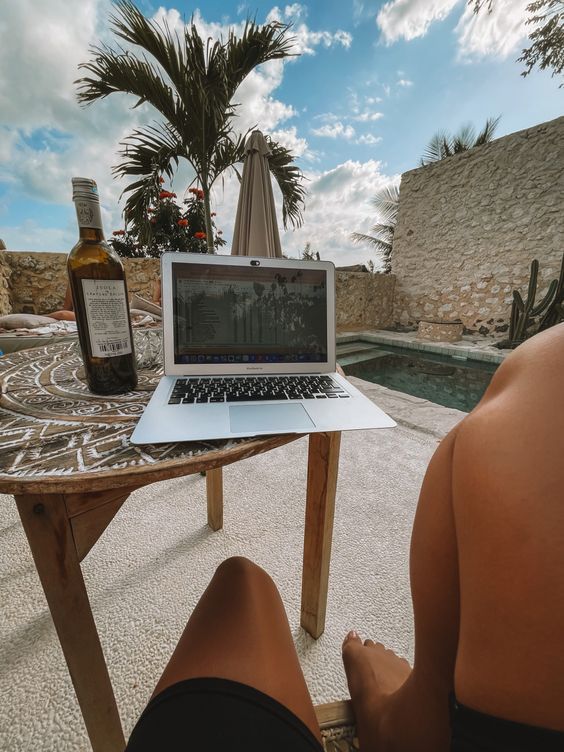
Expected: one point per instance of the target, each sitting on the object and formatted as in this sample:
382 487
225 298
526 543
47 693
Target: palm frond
438 148
444 145
290 181
132 26
229 151
487 133
255 46
377 243
113 71
463 139
386 203
147 153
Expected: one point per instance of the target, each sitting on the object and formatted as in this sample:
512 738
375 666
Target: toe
352 637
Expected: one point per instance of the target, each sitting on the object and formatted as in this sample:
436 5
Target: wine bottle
99 293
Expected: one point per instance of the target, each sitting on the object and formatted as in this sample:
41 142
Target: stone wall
5 277
470 225
36 283
364 301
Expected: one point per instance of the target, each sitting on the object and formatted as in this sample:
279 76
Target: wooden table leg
48 529
214 491
322 469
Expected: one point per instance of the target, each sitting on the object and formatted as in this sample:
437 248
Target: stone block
440 331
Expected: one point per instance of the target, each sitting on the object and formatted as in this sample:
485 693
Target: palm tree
444 145
386 203
191 84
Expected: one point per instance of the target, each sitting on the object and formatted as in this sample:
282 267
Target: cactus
555 313
524 312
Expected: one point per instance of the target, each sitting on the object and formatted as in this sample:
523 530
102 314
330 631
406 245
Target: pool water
442 379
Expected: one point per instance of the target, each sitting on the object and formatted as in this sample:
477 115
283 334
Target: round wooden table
66 457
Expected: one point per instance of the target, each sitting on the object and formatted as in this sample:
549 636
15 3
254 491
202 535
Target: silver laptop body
236 331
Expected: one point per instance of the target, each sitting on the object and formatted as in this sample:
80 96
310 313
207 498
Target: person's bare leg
396 708
490 517
239 631
509 510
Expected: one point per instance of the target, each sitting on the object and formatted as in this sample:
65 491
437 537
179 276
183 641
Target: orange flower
192 190
182 223
161 180
200 235
118 232
167 194
150 210
200 195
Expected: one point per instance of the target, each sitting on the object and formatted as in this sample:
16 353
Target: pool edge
439 348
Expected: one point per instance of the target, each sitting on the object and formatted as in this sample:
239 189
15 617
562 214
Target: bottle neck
89 218
91 233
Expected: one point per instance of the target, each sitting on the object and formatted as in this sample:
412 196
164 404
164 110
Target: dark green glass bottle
99 293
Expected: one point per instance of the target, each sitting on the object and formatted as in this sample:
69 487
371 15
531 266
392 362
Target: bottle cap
84 188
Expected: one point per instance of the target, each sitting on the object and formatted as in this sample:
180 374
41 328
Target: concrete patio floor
153 562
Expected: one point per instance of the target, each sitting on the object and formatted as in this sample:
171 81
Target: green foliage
191 84
547 36
444 145
525 321
173 228
386 204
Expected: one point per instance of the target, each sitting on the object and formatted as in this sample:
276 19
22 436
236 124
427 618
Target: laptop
249 350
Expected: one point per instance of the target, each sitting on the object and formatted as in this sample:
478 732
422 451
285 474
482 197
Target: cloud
327 117
405 82
306 40
289 138
337 130
32 235
409 19
338 203
368 117
368 139
41 45
497 34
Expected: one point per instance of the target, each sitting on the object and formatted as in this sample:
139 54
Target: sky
371 82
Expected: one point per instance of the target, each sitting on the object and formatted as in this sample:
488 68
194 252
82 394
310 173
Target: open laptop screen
236 314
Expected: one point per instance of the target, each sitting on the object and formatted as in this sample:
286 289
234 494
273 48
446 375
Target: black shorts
218 714
473 731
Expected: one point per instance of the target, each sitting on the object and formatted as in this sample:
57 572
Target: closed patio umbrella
256 229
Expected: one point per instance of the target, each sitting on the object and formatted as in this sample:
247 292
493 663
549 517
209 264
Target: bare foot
373 674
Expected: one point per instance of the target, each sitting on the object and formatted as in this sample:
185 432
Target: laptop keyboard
254 389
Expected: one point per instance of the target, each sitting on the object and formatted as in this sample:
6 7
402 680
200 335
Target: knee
240 568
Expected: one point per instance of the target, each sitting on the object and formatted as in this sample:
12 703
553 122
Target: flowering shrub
173 227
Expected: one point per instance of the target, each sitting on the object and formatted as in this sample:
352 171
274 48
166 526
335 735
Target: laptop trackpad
272 418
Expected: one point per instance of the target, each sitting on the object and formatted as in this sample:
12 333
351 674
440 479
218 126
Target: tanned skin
487 564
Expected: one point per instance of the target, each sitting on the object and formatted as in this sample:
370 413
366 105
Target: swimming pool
443 379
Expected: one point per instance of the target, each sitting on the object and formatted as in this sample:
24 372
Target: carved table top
56 436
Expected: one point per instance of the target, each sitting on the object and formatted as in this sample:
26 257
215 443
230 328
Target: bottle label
106 313
88 213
